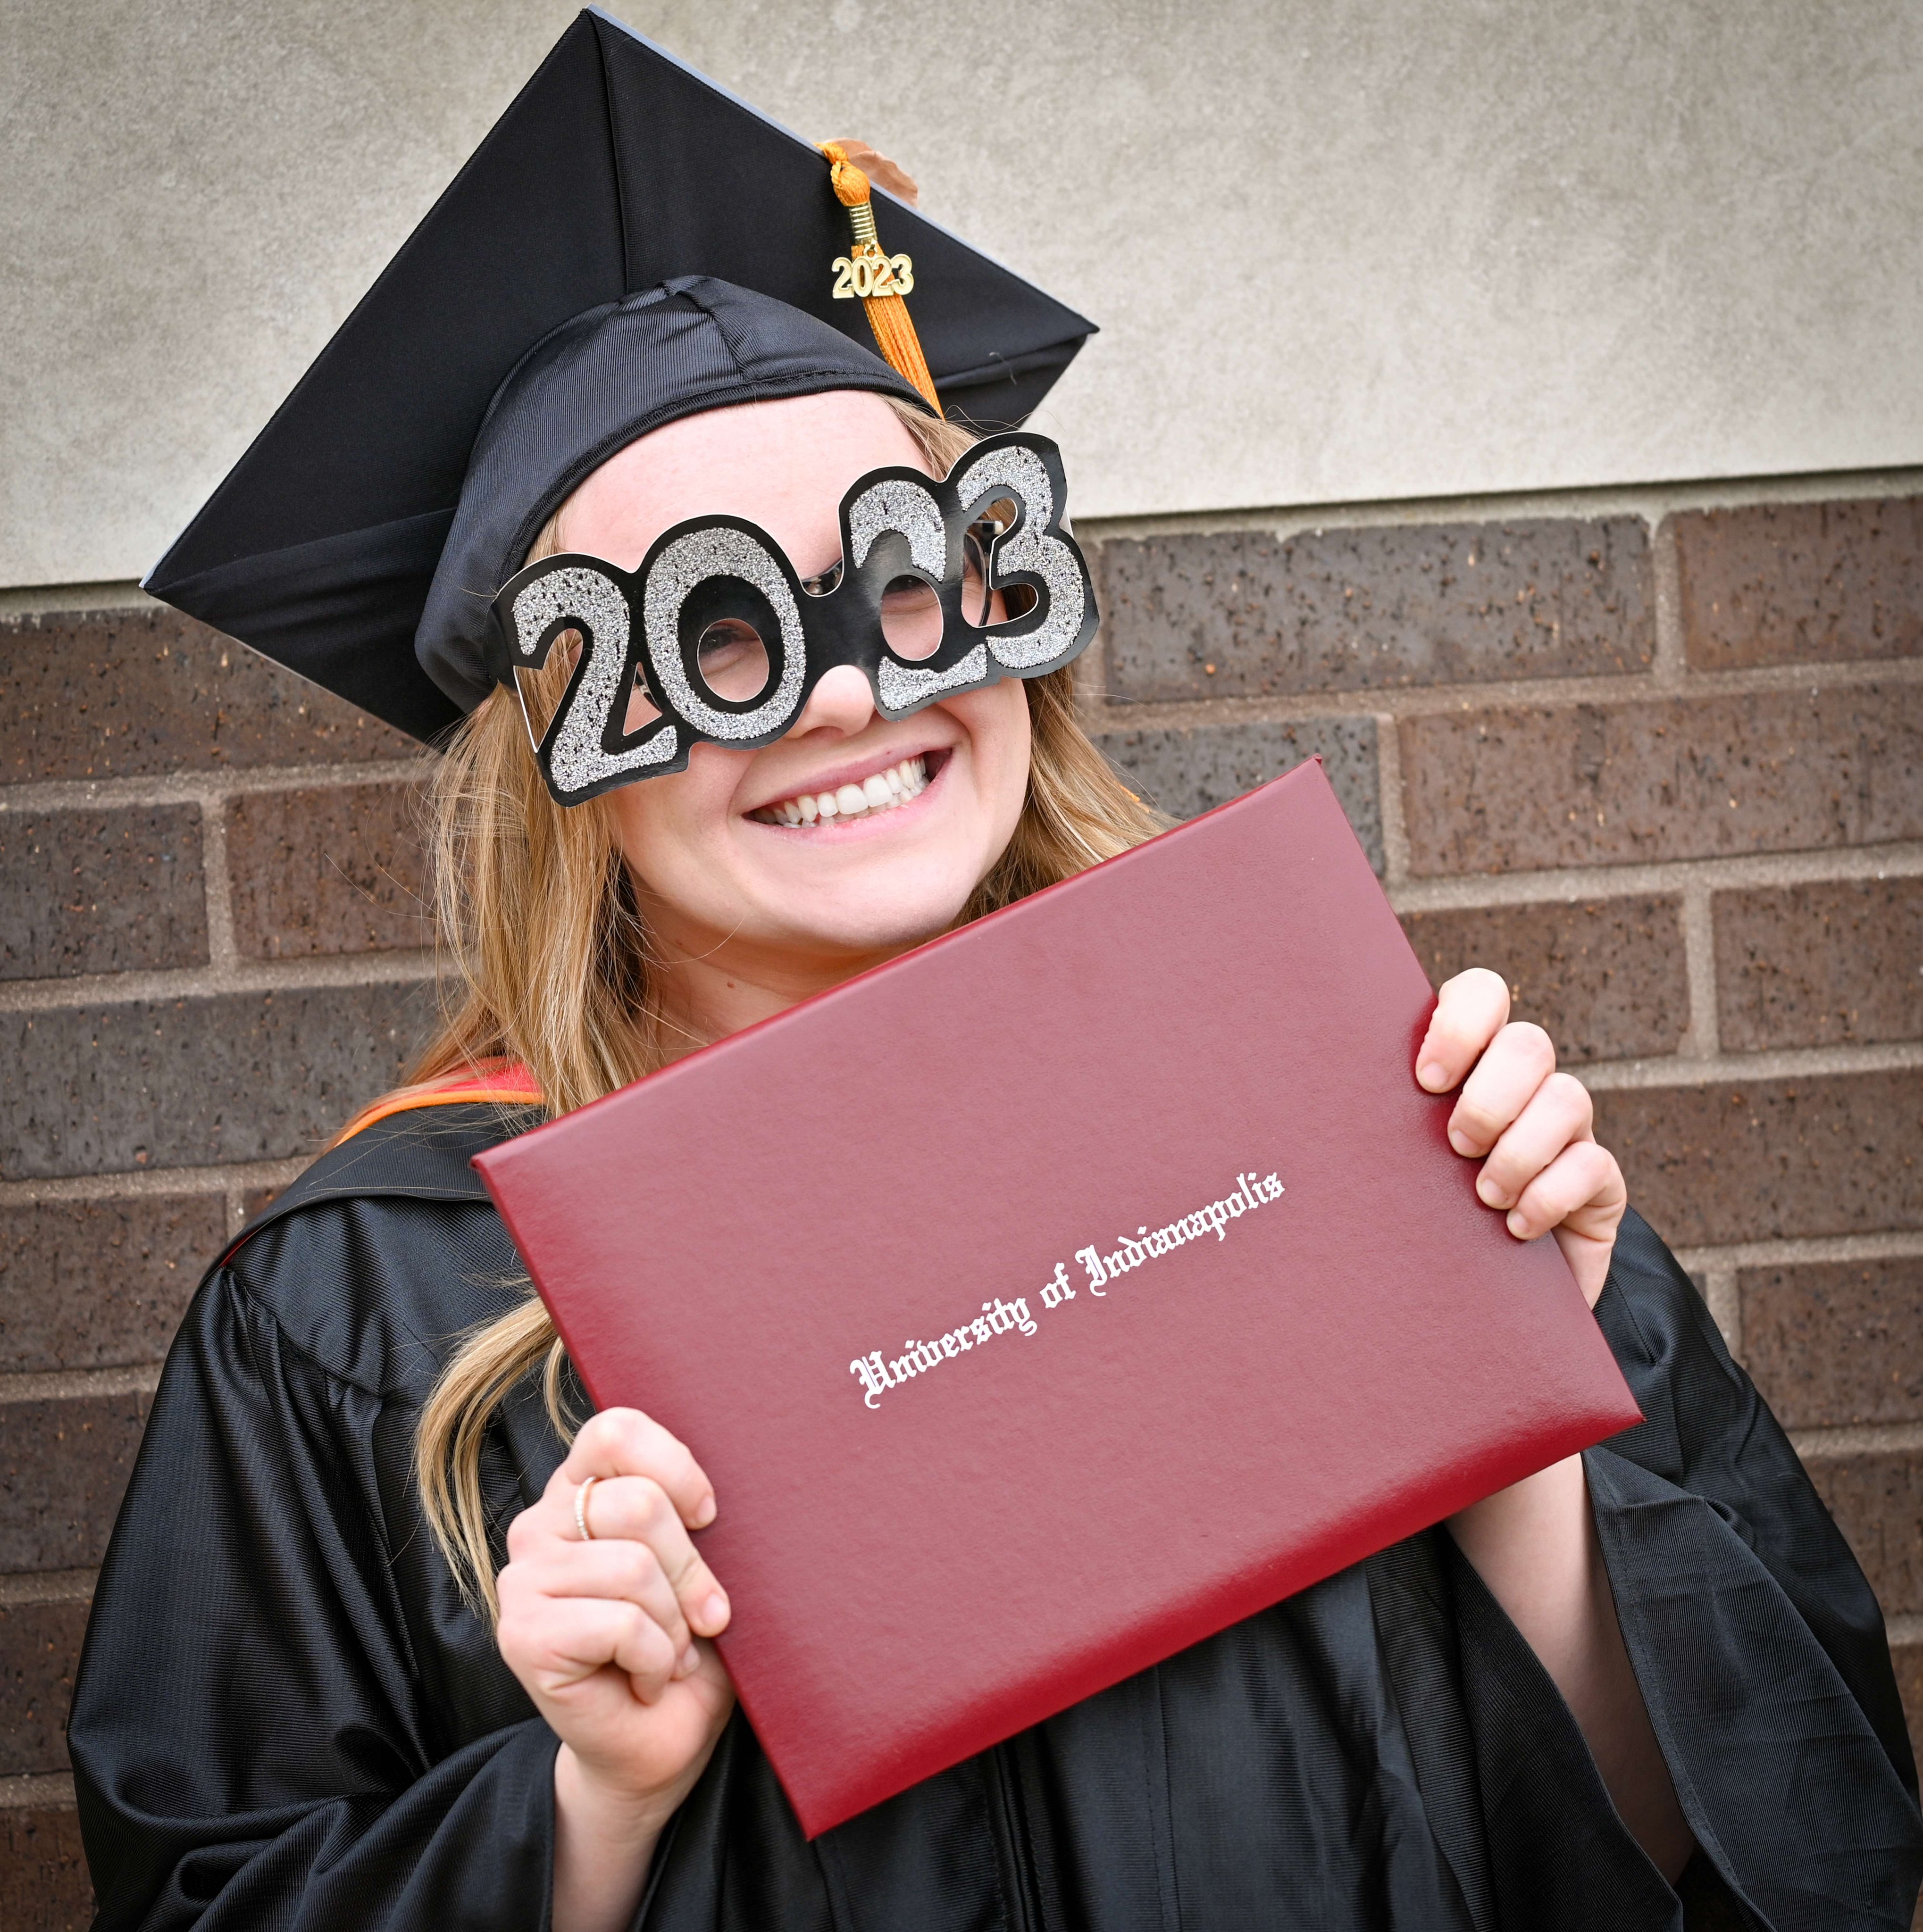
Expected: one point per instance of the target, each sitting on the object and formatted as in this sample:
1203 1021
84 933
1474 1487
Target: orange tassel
887 313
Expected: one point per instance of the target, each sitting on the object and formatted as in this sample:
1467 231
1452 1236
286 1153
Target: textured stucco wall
1391 249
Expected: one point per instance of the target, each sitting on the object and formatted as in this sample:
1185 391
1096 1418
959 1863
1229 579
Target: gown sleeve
1756 1640
250 1745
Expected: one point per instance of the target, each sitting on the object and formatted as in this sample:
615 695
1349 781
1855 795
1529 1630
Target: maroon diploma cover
1057 1294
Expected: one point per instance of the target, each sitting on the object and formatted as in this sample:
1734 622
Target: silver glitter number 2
584 599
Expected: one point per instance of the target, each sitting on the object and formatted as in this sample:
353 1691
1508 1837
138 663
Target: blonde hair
551 967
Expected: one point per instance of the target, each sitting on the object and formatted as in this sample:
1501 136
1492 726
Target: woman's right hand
608 1637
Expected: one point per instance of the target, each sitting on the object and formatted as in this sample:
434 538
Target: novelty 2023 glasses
715 640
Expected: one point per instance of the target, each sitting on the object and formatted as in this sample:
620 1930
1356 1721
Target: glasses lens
974 577
911 618
732 659
641 709
540 691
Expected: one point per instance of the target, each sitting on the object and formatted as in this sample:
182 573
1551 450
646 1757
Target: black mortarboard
630 244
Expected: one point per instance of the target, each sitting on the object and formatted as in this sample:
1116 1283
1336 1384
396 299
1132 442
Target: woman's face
898 821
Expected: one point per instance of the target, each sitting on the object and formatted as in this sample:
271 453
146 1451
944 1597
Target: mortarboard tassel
879 279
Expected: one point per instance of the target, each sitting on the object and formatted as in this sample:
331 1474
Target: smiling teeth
882 793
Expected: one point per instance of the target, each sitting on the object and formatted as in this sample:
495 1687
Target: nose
841 703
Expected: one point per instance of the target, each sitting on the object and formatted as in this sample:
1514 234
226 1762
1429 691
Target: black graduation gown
285 1717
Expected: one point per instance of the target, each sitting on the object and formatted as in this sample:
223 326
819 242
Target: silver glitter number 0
720 551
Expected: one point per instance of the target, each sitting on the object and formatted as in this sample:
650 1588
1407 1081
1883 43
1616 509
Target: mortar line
1839 865
222 955
1388 800
1183 714
1574 503
1726 1308
1809 1062
1703 1041
1616 688
105 593
1904 1627
204 788
1791 1251
47 1586
322 971
41 1791
1856 1439
1671 663
66 1384
225 1179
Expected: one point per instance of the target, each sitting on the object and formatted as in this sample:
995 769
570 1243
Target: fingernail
714 1611
1518 1225
689 1663
1491 1192
704 1514
1433 1075
1461 1141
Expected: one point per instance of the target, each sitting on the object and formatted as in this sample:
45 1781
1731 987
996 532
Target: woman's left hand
1529 1125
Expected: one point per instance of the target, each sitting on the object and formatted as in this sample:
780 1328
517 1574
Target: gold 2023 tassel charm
877 279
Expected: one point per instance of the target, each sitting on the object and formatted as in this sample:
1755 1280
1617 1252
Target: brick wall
211 950
1658 756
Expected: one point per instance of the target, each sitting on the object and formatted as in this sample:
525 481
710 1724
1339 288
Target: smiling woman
754 904
752 670
598 942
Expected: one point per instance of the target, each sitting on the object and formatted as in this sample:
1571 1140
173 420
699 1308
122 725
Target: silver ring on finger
581 1509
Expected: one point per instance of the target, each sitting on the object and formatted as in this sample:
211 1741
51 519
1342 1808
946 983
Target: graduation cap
630 244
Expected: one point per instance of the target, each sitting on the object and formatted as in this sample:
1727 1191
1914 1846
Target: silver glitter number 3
1028 552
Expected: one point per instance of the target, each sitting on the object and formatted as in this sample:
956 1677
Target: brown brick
1818 965
1246 615
64 1461
1778 583
1877 1498
235 1076
333 869
1193 769
95 1284
1834 1343
101 892
1605 978
1767 1158
1590 784
1908 1658
106 694
40 1645
43 1884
